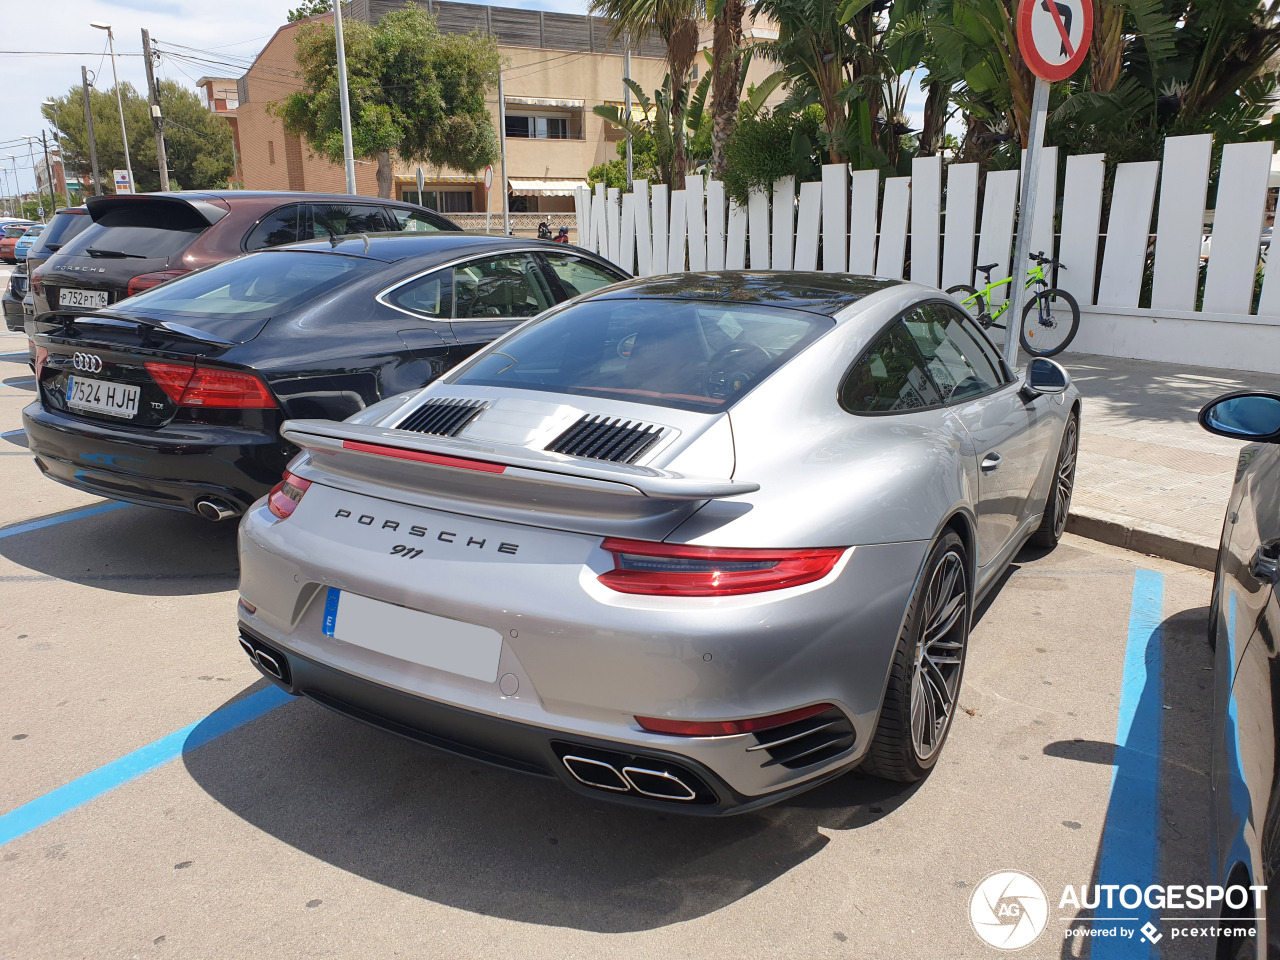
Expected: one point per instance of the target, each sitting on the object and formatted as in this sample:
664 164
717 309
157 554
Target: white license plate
422 638
113 399
82 298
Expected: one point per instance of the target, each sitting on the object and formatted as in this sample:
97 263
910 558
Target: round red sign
1053 35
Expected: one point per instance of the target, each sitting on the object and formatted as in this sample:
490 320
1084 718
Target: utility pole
48 169
88 120
626 101
502 141
344 102
31 155
156 120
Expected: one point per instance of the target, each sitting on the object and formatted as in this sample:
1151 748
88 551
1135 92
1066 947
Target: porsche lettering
417 530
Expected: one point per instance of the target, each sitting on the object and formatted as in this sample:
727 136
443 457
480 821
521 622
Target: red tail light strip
725 728
680 570
418 456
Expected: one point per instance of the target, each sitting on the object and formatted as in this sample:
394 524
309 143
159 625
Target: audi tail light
678 570
146 281
190 386
728 728
286 495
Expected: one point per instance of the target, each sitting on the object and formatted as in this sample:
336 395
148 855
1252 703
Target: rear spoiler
330 439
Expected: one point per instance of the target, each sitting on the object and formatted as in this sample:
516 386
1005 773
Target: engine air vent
443 418
806 742
604 438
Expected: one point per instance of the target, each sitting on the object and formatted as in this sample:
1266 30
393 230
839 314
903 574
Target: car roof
825 293
390 247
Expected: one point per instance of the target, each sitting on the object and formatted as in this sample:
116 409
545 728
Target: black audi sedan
174 398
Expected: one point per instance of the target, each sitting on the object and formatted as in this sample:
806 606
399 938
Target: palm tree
727 68
676 22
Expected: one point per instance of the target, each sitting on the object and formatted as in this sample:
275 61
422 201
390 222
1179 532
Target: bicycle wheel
970 299
1049 322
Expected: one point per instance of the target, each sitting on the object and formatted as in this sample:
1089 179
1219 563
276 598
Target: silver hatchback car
700 541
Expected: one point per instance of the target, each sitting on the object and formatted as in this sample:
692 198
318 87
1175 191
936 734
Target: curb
1122 533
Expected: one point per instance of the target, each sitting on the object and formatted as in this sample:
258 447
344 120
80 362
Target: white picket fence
841 224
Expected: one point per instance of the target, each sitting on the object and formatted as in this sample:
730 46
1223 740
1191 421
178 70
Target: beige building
556 68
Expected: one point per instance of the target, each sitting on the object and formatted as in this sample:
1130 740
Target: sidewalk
1149 478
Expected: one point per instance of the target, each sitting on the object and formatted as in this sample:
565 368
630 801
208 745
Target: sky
195 37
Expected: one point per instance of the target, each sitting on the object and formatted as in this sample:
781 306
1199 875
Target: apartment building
557 67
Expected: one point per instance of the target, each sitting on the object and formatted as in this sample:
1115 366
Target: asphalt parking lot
198 829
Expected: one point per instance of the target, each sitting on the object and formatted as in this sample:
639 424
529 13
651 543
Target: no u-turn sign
1053 35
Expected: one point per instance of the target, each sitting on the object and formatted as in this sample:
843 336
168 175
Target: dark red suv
139 241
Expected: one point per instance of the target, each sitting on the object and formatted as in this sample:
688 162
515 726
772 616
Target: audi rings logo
87 362
1008 910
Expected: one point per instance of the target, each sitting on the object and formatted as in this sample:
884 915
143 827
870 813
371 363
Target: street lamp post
17 195
344 102
124 133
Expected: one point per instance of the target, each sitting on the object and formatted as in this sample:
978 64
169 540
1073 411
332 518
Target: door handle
1265 565
990 462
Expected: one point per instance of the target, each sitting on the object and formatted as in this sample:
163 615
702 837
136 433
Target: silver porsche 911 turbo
701 541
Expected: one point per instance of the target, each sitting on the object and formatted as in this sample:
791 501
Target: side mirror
1045 376
1244 416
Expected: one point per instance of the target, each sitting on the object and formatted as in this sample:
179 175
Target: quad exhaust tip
659 784
214 510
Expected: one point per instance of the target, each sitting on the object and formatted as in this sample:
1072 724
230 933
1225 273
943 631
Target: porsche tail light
146 281
192 386
727 728
678 570
286 495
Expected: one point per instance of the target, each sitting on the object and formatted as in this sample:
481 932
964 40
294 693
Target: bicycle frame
1034 276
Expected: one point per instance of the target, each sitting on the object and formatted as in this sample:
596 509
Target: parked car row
10 235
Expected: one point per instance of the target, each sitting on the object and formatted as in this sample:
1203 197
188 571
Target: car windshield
33 232
16 231
689 354
255 287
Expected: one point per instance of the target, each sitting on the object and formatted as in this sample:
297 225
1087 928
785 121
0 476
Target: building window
538 128
442 201
271 151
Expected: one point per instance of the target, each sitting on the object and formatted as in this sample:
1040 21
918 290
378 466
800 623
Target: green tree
728 67
413 90
312 8
198 143
676 22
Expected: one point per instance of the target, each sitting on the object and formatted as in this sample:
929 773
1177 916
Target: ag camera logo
1008 910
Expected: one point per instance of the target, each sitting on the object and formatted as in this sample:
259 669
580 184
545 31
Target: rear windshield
33 232
142 231
254 287
690 354
18 231
62 228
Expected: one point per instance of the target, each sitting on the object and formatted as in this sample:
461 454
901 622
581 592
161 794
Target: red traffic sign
1053 35
488 176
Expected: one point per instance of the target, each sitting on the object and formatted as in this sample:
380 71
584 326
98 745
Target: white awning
545 188
544 102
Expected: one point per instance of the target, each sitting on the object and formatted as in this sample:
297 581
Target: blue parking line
20 528
1129 852
94 784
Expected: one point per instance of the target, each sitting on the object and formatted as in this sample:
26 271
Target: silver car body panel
784 467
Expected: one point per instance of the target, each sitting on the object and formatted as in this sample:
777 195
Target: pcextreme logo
1009 910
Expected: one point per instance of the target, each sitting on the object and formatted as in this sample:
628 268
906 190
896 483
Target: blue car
26 240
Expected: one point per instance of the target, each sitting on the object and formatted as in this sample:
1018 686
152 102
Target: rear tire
1049 340
923 693
1056 511
970 299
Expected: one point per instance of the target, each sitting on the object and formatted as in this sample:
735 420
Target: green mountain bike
1049 320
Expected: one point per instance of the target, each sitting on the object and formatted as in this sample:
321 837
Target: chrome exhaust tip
214 510
596 773
269 664
658 783
248 648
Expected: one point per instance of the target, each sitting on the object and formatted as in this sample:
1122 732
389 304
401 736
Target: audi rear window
689 354
253 287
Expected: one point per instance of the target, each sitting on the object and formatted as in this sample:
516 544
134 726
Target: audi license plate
113 399
82 298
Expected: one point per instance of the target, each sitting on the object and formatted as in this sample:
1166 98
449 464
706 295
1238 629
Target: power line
59 53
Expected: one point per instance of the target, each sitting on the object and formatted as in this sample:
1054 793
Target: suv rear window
142 230
689 354
253 287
